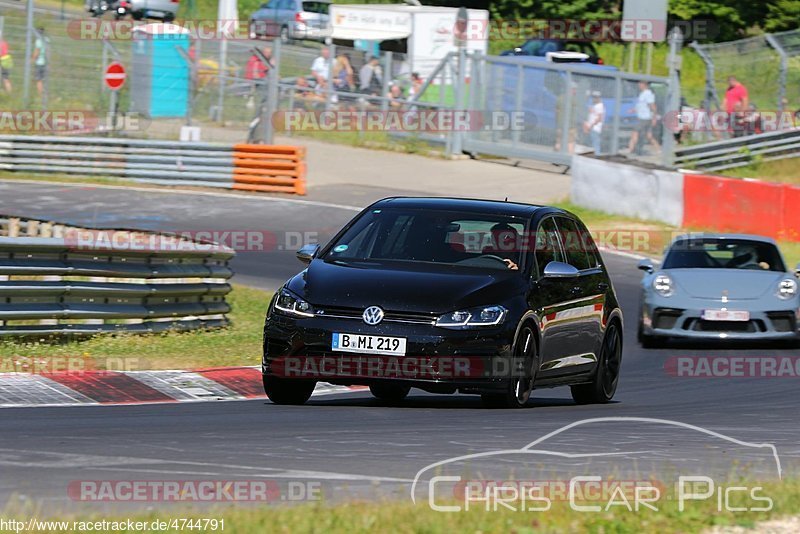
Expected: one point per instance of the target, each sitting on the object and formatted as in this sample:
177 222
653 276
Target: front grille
783 321
389 316
666 318
746 327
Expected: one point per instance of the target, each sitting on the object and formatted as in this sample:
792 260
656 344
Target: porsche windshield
431 236
724 254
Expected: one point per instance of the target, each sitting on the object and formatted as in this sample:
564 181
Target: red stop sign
114 76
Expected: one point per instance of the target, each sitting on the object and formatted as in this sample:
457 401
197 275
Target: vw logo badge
372 315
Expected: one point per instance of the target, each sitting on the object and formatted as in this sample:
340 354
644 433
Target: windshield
724 254
430 236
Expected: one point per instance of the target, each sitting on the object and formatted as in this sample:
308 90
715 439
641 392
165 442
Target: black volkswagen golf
448 295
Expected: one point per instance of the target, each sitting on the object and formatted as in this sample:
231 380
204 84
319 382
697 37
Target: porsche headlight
474 317
288 304
787 288
663 285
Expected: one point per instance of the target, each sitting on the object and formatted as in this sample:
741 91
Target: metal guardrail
242 166
740 151
69 285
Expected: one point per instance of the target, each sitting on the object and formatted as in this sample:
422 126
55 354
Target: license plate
726 315
395 346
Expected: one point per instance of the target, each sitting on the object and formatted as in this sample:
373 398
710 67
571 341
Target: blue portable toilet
160 74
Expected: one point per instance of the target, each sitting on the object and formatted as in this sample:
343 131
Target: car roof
516 209
709 235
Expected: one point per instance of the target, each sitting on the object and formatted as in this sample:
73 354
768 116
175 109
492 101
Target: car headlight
474 317
787 288
289 304
663 285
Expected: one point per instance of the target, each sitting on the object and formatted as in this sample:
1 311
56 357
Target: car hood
424 288
737 284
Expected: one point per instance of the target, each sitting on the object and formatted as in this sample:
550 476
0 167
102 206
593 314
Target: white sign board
365 22
644 21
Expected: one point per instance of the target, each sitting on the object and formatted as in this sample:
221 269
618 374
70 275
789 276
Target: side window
547 248
589 246
573 244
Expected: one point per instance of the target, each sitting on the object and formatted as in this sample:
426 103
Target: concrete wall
628 190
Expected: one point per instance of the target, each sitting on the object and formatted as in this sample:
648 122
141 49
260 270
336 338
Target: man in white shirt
321 66
646 113
594 125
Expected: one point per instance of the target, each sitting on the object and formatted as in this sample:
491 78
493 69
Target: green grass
782 171
401 516
239 344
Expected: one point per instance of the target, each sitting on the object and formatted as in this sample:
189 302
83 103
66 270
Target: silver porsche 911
719 286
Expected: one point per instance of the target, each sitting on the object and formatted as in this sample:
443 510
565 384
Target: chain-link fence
768 65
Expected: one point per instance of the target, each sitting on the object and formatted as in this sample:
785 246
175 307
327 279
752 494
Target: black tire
604 385
526 362
389 392
647 342
288 391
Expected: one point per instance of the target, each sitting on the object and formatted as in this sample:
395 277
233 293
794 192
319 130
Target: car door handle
577 289
602 286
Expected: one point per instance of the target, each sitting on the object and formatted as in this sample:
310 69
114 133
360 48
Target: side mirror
646 266
307 253
797 270
557 269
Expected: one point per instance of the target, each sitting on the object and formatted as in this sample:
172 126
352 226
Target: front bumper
436 359
664 318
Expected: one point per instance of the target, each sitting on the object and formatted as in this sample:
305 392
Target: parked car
719 286
164 10
292 19
448 295
541 47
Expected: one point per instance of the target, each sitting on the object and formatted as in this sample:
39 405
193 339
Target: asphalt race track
350 443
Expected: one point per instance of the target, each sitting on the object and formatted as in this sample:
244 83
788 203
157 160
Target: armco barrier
689 200
748 206
78 281
629 190
243 167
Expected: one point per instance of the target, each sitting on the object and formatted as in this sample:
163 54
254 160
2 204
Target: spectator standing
646 112
321 66
395 97
6 63
370 79
40 52
594 124
256 69
735 96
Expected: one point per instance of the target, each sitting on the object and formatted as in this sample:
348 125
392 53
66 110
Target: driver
747 258
505 244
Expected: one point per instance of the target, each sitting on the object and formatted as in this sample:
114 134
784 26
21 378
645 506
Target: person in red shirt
6 63
736 98
255 68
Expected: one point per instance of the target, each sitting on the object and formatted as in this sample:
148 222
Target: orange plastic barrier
272 168
748 206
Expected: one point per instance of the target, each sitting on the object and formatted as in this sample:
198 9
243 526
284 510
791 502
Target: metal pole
26 85
711 88
784 70
386 79
271 105
223 58
461 82
567 111
616 122
649 66
329 83
673 94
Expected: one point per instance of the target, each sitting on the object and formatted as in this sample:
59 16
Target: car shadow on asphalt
449 402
